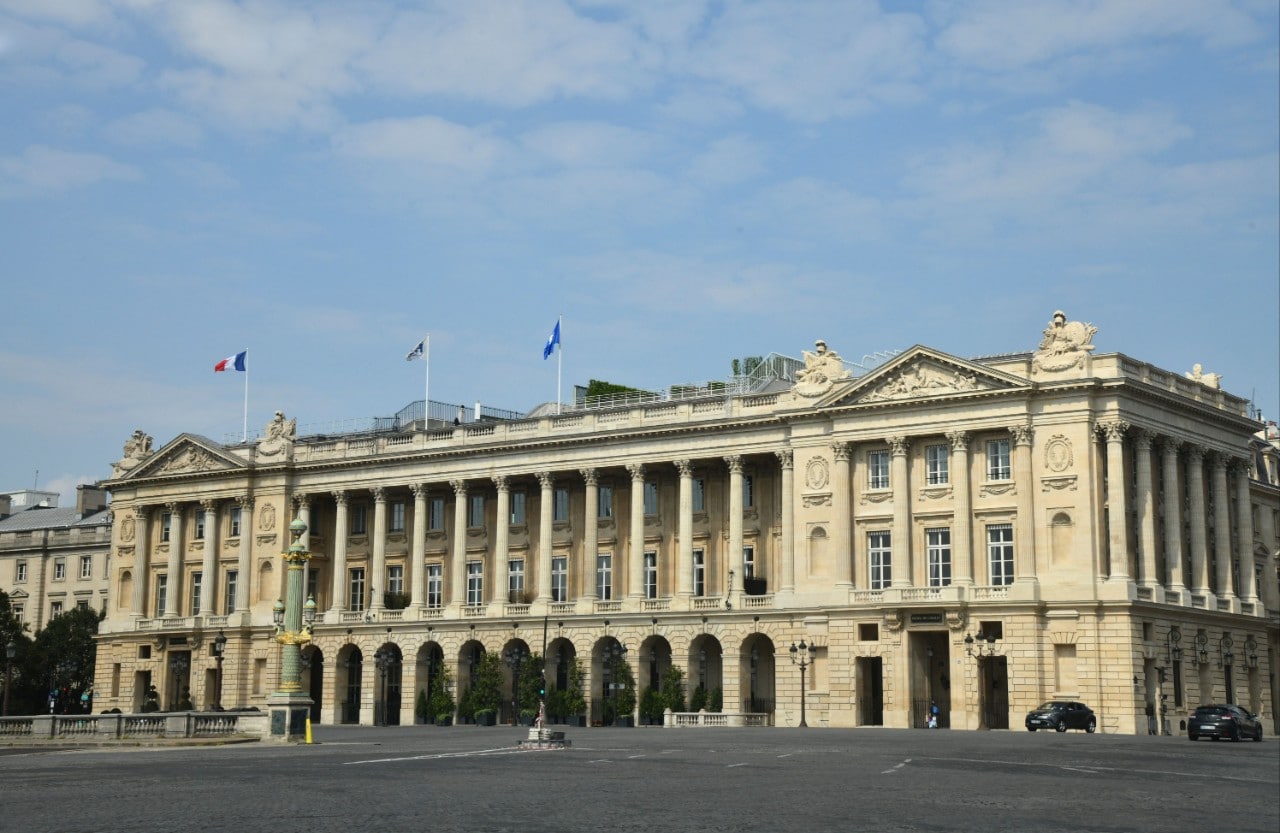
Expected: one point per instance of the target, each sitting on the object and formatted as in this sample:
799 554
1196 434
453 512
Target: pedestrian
933 714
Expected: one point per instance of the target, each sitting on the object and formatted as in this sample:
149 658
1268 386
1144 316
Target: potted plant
651 706
421 704
486 689
673 690
624 697
715 700
440 701
486 717
467 707
575 701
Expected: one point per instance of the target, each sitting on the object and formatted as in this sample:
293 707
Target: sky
324 183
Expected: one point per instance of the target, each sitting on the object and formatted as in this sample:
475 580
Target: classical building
982 533
52 558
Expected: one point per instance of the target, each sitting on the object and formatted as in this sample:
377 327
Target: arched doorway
756 664
706 674
655 665
313 673
351 668
614 698
470 655
520 679
565 698
389 666
432 682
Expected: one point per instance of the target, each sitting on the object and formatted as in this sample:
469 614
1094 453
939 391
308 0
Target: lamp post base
289 712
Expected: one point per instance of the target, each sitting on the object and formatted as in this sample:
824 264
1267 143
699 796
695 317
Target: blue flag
552 341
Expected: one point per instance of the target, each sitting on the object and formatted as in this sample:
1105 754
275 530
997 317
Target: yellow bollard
308 729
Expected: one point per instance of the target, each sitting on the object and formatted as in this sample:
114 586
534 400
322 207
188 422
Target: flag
552 341
235 362
418 352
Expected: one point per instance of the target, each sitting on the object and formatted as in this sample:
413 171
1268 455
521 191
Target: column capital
1112 429
1220 461
1022 434
418 490
141 512
636 470
302 501
959 440
841 451
685 467
734 462
209 505
786 457
173 507
590 476
898 445
1143 438
1195 453
459 487
245 501
1241 466
1169 445
379 494
545 480
502 482
339 497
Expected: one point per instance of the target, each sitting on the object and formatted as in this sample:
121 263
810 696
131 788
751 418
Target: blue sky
322 183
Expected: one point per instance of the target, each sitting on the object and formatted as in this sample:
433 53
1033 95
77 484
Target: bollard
308 729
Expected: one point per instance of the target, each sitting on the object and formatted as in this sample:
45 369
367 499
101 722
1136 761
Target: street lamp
800 656
383 660
980 647
514 657
219 648
10 651
289 705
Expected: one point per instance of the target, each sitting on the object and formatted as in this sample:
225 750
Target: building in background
984 533
54 559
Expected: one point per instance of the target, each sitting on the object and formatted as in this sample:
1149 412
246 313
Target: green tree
486 689
530 684
27 692
673 689
575 701
67 651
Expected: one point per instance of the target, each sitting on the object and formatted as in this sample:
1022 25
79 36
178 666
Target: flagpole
426 385
244 436
559 357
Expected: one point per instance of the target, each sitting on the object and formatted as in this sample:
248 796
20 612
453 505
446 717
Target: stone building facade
985 534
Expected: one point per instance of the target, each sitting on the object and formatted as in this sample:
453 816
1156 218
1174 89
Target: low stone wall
133 727
675 720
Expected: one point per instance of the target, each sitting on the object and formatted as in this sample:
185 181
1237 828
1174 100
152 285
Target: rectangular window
650 498
605 503
59 569
355 589
604 577
880 555
998 464
699 495
1000 553
314 582
877 469
395 578
475 511
20 572
235 521
313 524
196 580
515 580
475 583
55 609
162 592
435 514
166 520
199 524
518 508
559 579
937 464
229 598
699 573
748 562
938 554
435 585
359 519
651 575
17 612
86 566
560 505
397 516
82 604
748 492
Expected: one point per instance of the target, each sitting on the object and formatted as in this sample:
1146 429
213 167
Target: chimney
89 500
6 507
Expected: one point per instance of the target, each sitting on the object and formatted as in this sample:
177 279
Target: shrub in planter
715 700
486 688
673 690
486 717
444 719
651 706
439 700
420 706
698 701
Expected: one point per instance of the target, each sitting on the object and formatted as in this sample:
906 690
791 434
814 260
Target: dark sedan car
1061 715
1223 721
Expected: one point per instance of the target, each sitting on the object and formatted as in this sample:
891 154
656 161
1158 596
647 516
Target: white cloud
71 12
45 55
727 161
427 140
43 170
156 126
589 144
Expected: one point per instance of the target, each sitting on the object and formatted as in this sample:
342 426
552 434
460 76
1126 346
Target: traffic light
542 686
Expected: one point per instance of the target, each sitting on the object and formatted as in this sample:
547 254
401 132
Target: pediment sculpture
190 458
136 450
823 367
1211 380
1065 344
278 436
922 380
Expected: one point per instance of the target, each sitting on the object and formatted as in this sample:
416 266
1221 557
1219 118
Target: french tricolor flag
235 362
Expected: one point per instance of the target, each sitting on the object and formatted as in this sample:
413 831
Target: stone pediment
922 373
186 454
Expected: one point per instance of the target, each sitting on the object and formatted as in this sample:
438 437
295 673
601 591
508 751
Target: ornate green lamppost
290 706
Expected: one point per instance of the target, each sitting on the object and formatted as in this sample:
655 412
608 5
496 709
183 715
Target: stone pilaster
590 532
684 567
173 598
1117 499
339 581
962 531
418 549
786 462
378 579
635 541
900 480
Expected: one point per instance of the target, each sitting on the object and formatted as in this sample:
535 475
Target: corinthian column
1198 531
458 548
590 533
418 551
900 478
339 580
684 570
1172 516
962 540
545 515
141 561
1222 529
1118 537
174 593
209 566
1244 529
502 535
635 554
245 562
1025 534
378 581
734 561
1147 575
841 528
786 461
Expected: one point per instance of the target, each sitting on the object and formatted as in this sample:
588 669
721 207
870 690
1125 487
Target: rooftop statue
1065 344
1197 374
278 436
823 367
136 449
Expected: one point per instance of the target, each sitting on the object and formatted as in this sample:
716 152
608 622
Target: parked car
1061 715
1223 721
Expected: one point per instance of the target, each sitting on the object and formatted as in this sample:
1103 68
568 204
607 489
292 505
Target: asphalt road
615 780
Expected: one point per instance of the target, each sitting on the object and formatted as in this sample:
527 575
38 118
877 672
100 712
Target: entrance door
870 691
995 682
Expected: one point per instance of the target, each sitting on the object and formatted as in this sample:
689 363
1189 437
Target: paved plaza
473 779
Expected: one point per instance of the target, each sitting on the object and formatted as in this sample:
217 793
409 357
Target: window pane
878 470
998 465
880 557
651 498
1000 553
517 507
938 545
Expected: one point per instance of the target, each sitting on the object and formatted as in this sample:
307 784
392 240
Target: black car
1061 715
1223 721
